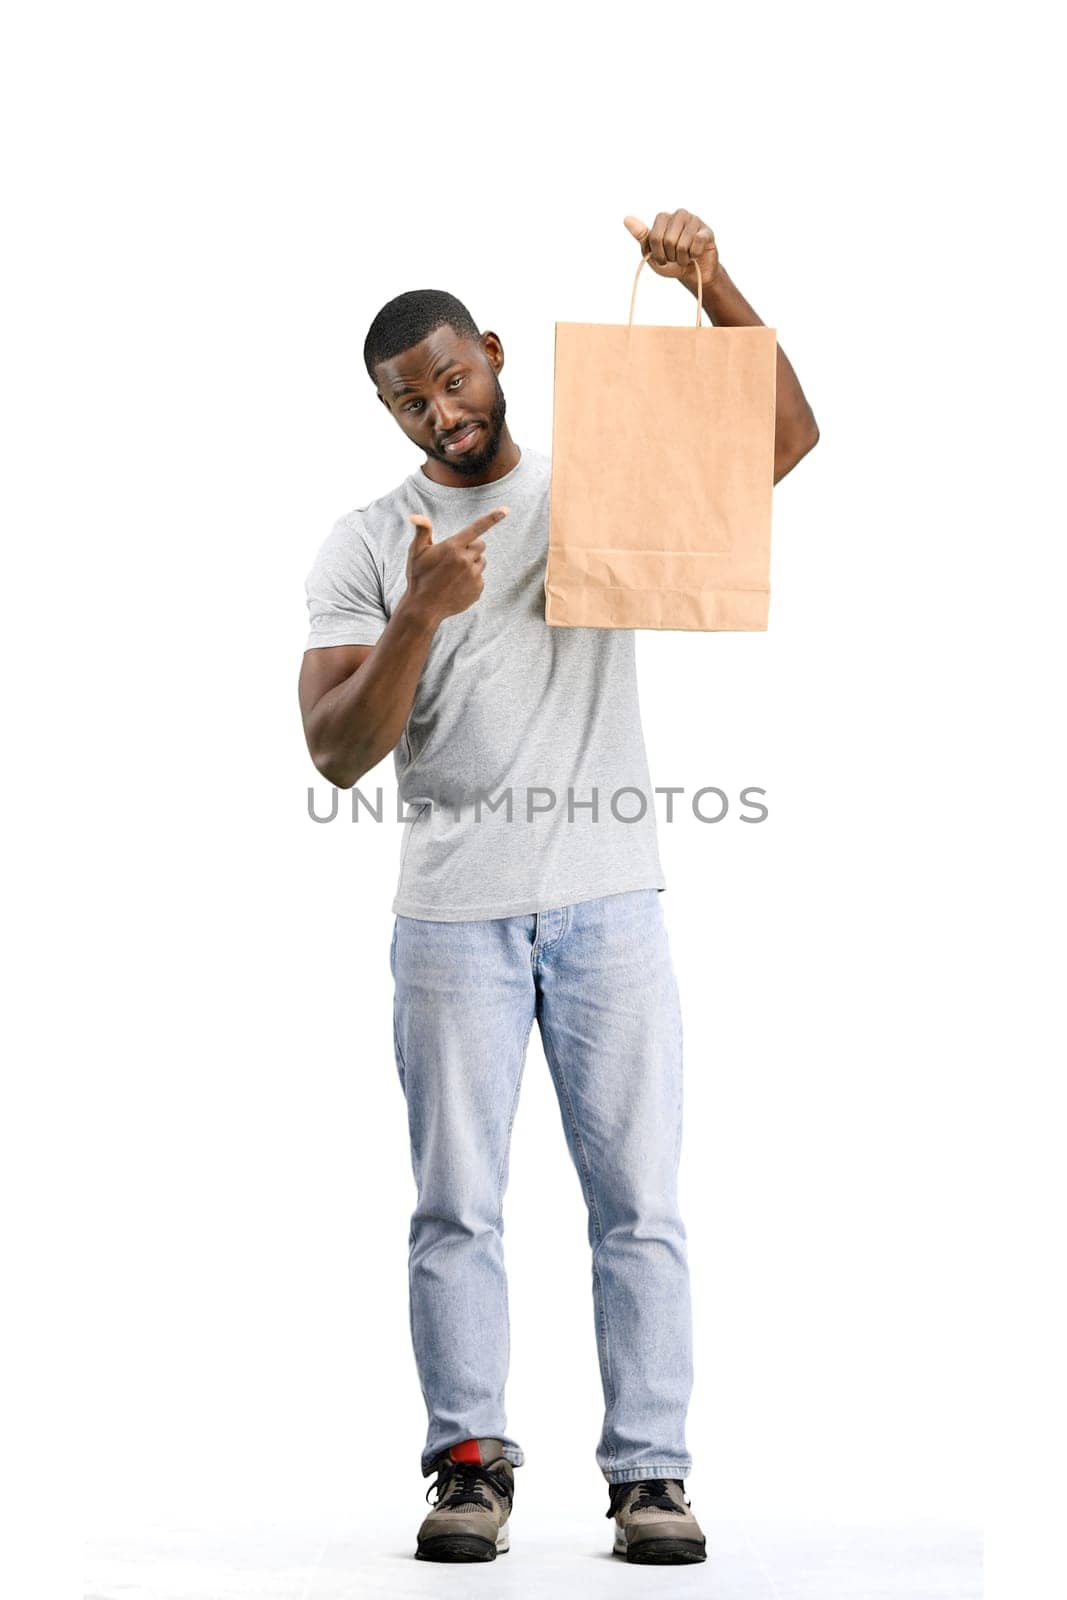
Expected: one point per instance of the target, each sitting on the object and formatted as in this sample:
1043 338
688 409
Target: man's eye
457 379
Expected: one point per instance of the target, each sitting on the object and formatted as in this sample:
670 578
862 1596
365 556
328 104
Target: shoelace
651 1495
459 1483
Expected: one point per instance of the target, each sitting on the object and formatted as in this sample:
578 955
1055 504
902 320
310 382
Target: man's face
443 387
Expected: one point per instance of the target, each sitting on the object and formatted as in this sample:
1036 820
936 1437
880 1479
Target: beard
474 462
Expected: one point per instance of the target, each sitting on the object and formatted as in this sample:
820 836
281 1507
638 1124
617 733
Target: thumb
637 228
423 532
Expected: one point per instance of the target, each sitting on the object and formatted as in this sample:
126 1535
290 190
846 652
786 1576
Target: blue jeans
598 977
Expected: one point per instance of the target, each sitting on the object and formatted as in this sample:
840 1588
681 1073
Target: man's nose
447 416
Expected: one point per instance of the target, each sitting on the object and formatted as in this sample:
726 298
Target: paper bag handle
700 289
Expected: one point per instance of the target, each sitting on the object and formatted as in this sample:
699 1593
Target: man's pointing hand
446 577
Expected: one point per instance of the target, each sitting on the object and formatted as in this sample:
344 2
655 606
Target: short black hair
412 317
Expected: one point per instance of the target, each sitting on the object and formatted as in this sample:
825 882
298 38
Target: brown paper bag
662 471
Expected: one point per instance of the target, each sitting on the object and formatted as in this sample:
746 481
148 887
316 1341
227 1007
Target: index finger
480 525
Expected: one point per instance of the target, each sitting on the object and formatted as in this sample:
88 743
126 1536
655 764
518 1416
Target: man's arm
675 240
355 700
795 429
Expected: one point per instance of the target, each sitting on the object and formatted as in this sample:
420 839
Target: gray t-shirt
505 704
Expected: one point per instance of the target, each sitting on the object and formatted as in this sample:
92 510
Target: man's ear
494 350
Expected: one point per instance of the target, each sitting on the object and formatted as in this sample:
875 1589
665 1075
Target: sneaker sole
662 1552
463 1547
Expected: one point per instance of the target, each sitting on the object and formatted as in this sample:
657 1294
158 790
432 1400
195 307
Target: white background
209 206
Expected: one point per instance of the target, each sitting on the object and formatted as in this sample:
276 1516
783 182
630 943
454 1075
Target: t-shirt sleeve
345 601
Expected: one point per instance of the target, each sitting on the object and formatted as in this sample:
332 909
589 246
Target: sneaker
653 1522
475 1486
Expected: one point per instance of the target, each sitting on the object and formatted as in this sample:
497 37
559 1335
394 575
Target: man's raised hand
446 577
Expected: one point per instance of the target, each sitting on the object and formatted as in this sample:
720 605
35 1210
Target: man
520 899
